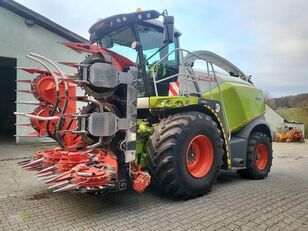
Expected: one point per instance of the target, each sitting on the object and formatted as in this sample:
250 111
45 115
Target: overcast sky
265 38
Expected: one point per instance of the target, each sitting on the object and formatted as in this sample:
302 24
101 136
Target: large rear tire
259 157
185 155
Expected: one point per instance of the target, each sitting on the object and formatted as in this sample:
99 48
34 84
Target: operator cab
143 40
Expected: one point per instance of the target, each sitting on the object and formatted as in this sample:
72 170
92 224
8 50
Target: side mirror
168 29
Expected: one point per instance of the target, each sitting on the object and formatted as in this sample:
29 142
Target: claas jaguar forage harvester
155 113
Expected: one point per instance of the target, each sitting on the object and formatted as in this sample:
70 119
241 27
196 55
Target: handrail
192 78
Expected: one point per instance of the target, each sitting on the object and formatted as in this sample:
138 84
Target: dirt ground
278 203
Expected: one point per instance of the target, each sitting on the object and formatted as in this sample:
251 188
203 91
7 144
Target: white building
278 123
24 31
275 120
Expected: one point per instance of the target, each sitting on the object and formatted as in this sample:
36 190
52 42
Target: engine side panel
243 103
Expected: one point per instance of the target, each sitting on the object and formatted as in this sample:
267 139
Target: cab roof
112 23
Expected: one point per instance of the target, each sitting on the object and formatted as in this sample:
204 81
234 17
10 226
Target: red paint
41 126
141 179
261 157
199 156
119 61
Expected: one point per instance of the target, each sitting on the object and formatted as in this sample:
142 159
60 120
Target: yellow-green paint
172 101
243 103
144 128
143 133
25 216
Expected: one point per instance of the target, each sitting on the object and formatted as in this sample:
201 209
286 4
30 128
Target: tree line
292 101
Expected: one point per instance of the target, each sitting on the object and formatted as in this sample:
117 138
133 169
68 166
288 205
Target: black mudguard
239 140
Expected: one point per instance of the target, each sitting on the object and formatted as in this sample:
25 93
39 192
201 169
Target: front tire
259 157
185 154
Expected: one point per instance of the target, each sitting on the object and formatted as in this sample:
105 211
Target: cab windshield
151 40
120 42
153 50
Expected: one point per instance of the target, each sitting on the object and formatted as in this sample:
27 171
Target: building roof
41 20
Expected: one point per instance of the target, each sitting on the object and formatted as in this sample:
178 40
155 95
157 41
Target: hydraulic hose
55 78
63 77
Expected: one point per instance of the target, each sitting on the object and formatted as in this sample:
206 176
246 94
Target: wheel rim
199 156
261 157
